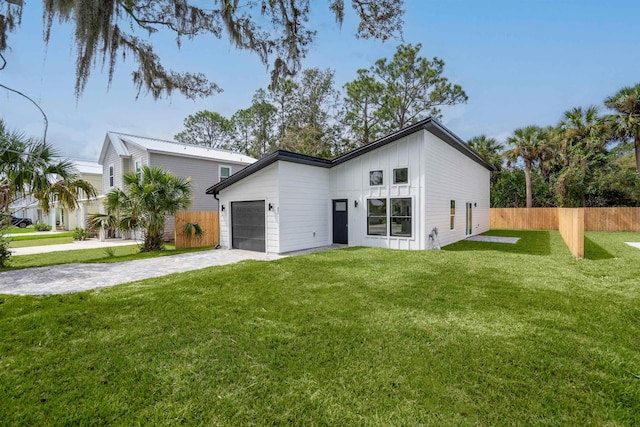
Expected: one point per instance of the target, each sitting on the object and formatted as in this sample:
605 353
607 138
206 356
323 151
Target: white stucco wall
450 175
262 185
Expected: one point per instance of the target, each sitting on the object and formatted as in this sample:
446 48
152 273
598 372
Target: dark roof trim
427 124
286 156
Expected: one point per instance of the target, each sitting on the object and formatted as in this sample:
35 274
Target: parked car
20 222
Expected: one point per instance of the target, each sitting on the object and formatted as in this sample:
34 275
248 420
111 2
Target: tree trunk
527 181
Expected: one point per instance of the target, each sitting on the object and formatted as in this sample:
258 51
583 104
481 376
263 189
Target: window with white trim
224 172
111 175
377 217
401 217
376 178
452 213
401 176
138 169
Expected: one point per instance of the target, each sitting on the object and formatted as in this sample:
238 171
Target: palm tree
582 137
528 144
627 104
489 148
145 203
32 167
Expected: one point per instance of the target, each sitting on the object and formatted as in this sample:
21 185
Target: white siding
111 158
304 207
450 175
350 180
262 185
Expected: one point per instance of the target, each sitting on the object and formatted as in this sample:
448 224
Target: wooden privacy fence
595 219
524 218
571 226
208 221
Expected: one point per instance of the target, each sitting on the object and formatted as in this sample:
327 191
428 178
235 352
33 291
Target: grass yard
18 230
104 255
29 240
478 334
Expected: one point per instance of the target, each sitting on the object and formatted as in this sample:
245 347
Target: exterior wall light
355 203
270 207
222 208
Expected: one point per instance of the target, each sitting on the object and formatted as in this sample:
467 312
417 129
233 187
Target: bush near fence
595 219
208 221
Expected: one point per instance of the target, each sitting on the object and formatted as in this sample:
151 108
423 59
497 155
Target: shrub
40 226
80 234
5 253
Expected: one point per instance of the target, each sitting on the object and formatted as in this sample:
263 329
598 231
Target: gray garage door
247 226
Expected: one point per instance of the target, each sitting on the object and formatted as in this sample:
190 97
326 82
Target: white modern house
122 153
417 188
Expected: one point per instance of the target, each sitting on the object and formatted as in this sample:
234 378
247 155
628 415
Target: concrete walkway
76 244
68 278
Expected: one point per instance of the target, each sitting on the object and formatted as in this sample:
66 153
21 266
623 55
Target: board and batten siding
350 180
304 206
262 185
450 175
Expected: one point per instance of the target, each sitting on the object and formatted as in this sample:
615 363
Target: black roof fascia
428 124
447 136
266 161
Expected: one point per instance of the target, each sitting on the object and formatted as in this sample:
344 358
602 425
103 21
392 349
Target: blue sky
521 62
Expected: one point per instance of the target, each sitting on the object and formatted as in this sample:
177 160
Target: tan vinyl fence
208 221
571 226
595 219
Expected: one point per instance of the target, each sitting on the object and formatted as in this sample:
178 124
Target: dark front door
247 225
340 222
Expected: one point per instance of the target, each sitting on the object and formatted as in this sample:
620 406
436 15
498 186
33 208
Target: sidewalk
76 244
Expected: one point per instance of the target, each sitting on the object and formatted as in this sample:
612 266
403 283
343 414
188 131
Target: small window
401 176
341 206
225 172
111 175
375 178
401 217
138 169
377 217
452 221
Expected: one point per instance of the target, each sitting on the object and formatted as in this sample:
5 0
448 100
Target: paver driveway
67 278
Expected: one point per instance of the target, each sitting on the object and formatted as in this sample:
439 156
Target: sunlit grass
104 255
478 334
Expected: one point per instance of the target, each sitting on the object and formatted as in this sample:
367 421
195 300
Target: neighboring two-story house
60 217
122 153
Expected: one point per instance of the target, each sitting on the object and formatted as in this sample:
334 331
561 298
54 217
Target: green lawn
28 240
478 334
18 230
104 255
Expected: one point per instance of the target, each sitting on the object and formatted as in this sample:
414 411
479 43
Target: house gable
429 125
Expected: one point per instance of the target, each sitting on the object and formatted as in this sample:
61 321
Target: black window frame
374 173
405 219
395 180
378 217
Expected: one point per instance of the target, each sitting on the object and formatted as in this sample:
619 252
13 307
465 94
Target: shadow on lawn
594 251
531 243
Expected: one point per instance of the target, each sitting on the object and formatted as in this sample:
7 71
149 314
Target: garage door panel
248 225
